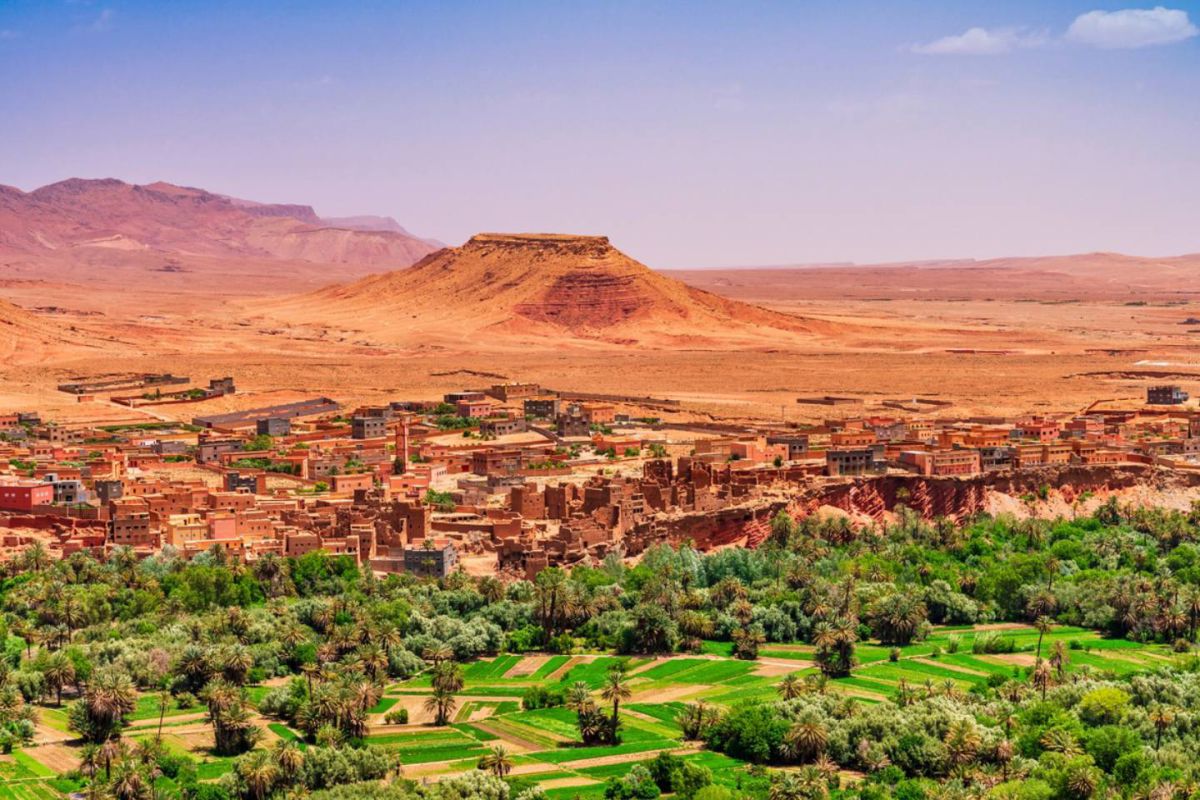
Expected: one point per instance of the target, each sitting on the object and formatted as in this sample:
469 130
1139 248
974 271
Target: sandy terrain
999 338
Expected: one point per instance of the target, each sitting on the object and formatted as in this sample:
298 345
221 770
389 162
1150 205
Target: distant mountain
1085 276
509 287
72 227
369 222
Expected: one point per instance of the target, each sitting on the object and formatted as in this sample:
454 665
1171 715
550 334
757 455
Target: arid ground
101 277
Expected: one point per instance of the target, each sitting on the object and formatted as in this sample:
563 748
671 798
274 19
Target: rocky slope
512 287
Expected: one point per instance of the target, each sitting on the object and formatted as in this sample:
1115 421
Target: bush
990 642
542 697
1109 743
750 731
397 716
1103 706
637 784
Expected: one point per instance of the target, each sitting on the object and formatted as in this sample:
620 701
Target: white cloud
981 42
1125 28
1132 27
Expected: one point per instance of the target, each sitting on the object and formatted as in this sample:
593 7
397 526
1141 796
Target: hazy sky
693 134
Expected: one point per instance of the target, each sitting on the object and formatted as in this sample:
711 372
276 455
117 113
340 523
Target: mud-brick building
855 460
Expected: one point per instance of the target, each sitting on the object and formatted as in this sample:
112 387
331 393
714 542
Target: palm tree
441 705
89 759
1042 677
694 718
616 689
309 669
962 743
806 784
58 672
1161 717
806 740
109 697
129 783
1005 750
1058 740
790 687
1082 782
373 659
437 653
259 772
579 697
746 642
1059 659
164 701
194 666
448 677
109 752
498 762
549 586
1043 624
289 757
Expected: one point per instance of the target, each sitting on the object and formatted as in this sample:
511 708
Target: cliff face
748 525
957 498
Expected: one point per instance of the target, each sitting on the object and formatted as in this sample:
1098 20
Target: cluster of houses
510 478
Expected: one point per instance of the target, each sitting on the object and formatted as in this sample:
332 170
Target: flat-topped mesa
550 243
523 285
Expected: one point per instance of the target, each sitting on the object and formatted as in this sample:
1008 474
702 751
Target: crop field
546 744
23 777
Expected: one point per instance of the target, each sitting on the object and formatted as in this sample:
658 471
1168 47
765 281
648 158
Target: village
510 478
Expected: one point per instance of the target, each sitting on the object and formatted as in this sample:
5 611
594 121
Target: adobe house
505 392
855 460
436 561
368 427
474 408
598 413
22 496
796 444
273 426
1168 395
466 395
502 427
942 463
252 481
572 424
541 407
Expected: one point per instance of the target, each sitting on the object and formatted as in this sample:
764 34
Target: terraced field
546 742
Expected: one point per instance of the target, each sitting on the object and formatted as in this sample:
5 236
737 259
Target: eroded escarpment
875 499
587 300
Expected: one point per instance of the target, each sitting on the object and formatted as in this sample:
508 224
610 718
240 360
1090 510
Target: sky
694 134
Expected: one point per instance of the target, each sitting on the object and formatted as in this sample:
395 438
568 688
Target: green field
649 725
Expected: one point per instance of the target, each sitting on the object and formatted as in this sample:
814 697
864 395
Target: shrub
1103 706
991 642
397 716
542 697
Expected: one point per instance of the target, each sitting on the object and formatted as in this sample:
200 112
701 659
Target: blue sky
693 134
